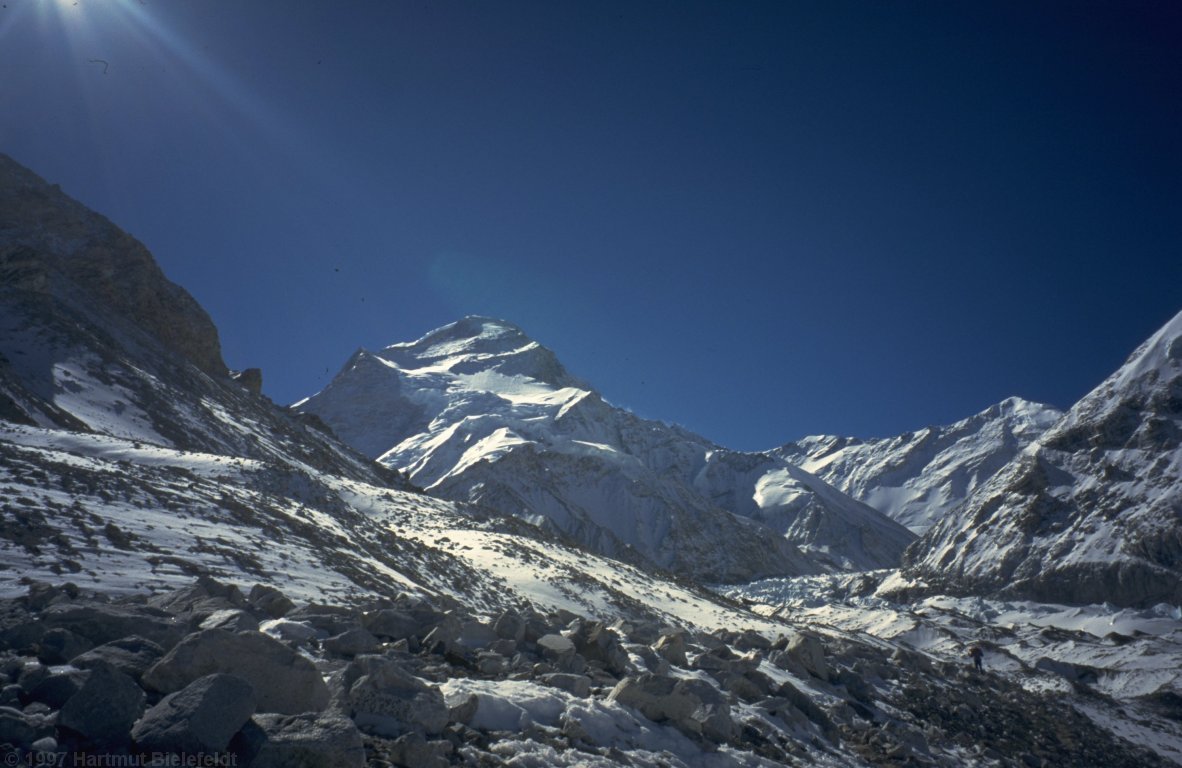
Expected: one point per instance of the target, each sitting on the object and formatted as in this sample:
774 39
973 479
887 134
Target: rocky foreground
209 674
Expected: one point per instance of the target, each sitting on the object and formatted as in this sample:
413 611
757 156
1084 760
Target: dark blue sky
758 220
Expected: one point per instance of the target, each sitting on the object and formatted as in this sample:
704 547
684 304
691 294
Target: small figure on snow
976 654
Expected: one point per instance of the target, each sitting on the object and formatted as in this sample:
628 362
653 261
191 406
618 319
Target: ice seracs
477 411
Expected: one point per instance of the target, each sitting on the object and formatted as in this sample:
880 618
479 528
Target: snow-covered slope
1092 511
477 411
918 477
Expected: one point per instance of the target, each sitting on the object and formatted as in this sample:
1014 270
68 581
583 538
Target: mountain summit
477 411
1092 511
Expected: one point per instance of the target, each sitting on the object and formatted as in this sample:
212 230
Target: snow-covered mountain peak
481 345
479 412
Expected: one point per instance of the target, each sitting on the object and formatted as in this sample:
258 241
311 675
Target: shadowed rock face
47 238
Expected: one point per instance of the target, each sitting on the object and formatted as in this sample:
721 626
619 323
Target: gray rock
597 643
15 728
510 626
385 700
579 685
101 623
59 686
59 645
808 651
490 663
296 633
693 706
269 601
201 717
461 708
130 655
308 740
231 620
476 635
554 646
353 642
411 750
392 624
105 707
200 599
671 647
283 681
10 695
750 640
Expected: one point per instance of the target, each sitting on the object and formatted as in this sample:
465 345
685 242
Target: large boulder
352 642
807 651
385 700
132 656
692 706
596 643
59 645
104 708
269 601
201 717
283 681
308 740
103 622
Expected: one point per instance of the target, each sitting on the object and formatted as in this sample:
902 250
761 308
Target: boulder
230 619
200 599
411 750
392 624
598 644
750 640
201 717
59 686
104 708
353 642
387 701
101 623
15 729
130 655
283 681
476 635
692 706
671 647
269 601
59 645
308 740
579 685
510 626
294 632
809 653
